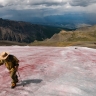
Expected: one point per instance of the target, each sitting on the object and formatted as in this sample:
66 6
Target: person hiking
11 62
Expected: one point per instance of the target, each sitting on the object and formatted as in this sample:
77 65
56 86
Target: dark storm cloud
83 3
1 6
27 9
46 2
31 2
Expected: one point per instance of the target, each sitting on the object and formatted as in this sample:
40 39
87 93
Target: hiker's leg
13 75
16 78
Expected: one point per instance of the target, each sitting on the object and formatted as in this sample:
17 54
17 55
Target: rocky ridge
24 31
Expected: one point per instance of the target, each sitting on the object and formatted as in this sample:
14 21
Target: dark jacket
10 62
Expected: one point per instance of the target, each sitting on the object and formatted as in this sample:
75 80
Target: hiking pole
20 78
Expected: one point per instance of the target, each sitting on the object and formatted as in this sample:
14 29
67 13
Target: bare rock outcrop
20 31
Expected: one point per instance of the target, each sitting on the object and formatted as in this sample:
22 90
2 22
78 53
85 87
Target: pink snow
51 71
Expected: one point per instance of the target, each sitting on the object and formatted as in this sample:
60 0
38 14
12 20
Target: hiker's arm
16 60
16 63
1 62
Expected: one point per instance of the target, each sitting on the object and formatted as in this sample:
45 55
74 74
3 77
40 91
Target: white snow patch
51 71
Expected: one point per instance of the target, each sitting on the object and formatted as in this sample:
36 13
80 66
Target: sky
27 9
51 71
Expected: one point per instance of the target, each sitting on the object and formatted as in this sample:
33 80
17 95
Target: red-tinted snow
51 71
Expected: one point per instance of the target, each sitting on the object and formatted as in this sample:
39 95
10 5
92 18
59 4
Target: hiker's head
4 55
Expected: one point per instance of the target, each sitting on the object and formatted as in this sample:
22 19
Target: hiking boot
13 85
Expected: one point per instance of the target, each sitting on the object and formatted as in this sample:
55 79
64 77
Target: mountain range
84 36
24 31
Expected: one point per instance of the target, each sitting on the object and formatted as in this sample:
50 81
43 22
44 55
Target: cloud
1 6
59 6
46 2
26 9
31 2
83 3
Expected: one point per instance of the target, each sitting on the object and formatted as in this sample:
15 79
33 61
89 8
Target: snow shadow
26 82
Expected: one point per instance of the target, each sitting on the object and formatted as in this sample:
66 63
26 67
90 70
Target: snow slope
51 71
